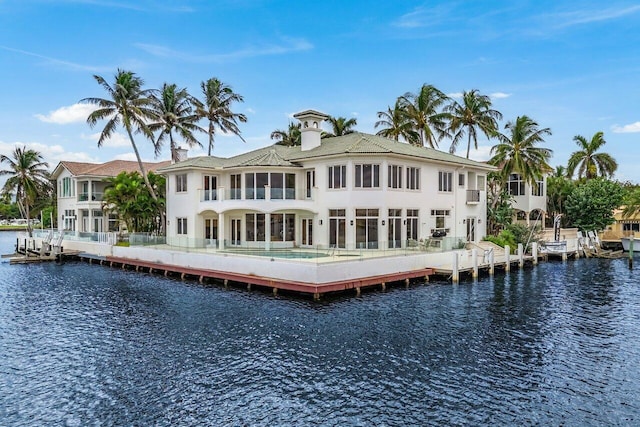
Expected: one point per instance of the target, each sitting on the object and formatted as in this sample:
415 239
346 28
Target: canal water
82 345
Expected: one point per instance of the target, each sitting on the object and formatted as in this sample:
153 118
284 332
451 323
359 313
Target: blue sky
572 66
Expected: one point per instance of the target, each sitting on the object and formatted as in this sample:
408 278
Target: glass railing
86 197
289 250
222 194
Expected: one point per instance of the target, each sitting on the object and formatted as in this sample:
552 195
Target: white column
474 260
507 254
267 231
520 255
221 231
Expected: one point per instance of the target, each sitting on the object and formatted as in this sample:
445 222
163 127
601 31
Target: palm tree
396 125
340 126
424 112
473 114
290 137
129 106
589 163
216 107
174 111
518 152
28 178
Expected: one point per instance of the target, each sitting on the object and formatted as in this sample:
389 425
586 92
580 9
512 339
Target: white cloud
52 154
64 115
117 140
499 95
286 45
56 61
631 128
251 111
589 16
455 95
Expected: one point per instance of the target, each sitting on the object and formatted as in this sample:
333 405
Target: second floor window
413 178
395 176
181 183
236 186
444 181
367 176
537 189
67 188
515 185
338 176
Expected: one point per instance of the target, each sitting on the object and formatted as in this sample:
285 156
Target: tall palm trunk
142 169
212 131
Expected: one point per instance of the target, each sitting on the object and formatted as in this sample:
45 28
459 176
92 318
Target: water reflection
83 345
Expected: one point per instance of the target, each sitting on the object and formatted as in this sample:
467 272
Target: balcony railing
473 196
266 193
93 197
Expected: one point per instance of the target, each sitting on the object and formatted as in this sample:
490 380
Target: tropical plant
340 126
129 106
517 151
396 125
218 99
499 210
559 188
290 137
590 206
588 162
472 115
631 202
128 197
174 112
27 178
424 111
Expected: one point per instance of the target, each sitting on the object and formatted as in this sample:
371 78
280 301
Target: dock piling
520 255
455 274
491 262
474 260
507 255
534 252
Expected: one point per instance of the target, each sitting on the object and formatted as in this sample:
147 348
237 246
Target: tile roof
351 144
112 168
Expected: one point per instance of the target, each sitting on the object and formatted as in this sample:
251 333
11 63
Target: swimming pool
285 253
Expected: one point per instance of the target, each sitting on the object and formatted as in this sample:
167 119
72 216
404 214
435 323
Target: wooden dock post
357 291
507 254
534 252
275 292
631 251
520 255
455 275
474 260
383 286
491 262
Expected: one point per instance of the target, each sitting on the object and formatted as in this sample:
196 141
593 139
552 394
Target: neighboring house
353 191
80 187
622 227
529 201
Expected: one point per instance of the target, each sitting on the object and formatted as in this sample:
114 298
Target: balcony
253 194
473 197
90 197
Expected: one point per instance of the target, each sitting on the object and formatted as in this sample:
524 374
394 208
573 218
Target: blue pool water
88 345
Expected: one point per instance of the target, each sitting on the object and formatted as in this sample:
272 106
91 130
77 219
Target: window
181 183
255 227
182 226
210 191
394 229
395 176
538 188
444 181
113 223
283 227
254 185
367 176
440 219
413 178
515 185
631 226
367 228
337 228
67 189
461 180
236 186
311 183
69 219
412 224
337 176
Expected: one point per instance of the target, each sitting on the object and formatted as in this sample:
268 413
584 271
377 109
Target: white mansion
356 191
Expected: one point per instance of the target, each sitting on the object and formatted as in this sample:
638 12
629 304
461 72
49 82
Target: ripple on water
91 345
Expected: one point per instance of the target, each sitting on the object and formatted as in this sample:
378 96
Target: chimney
181 154
310 129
